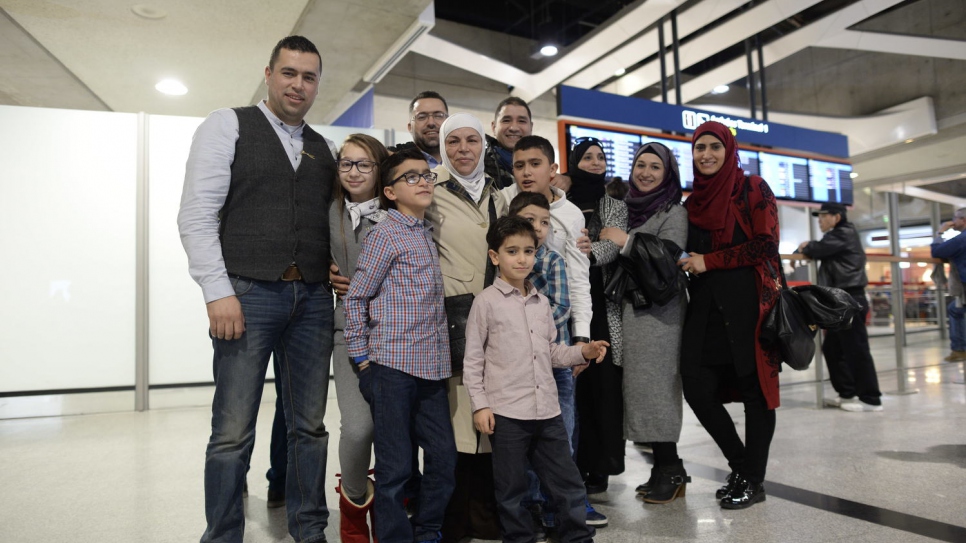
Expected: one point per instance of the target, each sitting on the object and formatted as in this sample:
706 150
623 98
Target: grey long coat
652 348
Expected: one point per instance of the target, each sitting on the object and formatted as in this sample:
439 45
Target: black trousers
850 365
702 390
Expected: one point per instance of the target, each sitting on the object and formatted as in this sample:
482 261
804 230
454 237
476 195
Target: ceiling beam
880 42
924 194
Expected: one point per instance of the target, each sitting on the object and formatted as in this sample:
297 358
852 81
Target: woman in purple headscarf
652 335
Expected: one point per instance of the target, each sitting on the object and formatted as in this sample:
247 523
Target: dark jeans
850 365
702 390
278 448
547 447
408 411
293 319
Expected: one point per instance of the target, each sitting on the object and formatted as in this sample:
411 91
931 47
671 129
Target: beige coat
459 230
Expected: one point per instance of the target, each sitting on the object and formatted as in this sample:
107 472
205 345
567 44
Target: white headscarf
474 182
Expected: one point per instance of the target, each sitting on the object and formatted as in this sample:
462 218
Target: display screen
786 175
790 177
831 181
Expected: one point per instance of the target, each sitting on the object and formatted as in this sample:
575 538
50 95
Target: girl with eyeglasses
356 208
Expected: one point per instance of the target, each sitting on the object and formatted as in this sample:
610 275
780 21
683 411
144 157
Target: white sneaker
860 407
838 401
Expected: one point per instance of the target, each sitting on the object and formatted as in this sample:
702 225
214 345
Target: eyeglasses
412 178
591 139
364 166
438 116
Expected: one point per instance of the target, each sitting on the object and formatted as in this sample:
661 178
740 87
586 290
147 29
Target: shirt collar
408 220
508 289
430 159
293 130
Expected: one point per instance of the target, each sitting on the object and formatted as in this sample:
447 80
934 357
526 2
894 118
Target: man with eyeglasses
427 111
254 224
511 122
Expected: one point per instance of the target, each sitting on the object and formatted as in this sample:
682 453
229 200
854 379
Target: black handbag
830 308
649 275
621 286
789 328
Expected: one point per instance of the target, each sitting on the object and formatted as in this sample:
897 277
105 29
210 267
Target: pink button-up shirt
510 353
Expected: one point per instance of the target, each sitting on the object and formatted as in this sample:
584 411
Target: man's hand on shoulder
225 318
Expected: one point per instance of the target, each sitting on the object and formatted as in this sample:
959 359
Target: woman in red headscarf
733 243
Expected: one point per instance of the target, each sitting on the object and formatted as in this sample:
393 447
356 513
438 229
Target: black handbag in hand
830 308
789 327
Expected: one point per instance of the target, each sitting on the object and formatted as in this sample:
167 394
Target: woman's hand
694 264
583 242
614 234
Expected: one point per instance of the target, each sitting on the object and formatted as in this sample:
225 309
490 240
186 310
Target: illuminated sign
693 119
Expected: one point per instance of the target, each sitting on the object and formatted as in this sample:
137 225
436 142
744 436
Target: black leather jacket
492 166
842 256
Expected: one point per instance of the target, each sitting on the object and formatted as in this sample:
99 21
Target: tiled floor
898 475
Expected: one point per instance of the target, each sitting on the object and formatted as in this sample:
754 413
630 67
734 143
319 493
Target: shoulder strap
490 268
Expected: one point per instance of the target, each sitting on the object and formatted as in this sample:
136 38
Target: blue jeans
408 411
294 319
568 413
545 444
957 326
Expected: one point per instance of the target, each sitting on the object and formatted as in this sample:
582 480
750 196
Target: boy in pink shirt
507 371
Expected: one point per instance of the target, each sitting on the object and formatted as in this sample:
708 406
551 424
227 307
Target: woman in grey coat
652 336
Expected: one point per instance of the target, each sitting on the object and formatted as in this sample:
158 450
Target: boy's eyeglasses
364 166
438 116
412 178
591 139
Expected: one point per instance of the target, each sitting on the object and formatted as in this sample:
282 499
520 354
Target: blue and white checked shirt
549 277
394 309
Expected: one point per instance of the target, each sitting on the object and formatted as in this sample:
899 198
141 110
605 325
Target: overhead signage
612 108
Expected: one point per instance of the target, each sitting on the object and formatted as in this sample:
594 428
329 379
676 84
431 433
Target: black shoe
596 483
276 498
744 494
672 482
644 488
726 489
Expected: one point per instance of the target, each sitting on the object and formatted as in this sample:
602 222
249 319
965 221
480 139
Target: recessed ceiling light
148 12
620 72
548 50
853 175
720 89
171 87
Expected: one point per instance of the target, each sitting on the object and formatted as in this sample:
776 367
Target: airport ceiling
825 59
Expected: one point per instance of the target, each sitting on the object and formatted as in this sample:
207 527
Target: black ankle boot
726 489
744 493
645 488
671 483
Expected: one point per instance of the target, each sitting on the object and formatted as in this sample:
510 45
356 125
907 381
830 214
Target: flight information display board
790 177
831 181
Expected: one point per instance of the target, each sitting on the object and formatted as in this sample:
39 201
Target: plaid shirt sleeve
549 277
371 270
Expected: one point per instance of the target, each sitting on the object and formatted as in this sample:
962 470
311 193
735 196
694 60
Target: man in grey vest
254 223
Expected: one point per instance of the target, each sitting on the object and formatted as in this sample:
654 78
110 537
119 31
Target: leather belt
292 273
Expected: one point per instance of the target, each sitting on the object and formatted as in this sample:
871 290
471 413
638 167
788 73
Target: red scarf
713 204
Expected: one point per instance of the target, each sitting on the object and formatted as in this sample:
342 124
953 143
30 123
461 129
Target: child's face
411 199
515 257
359 186
533 172
539 218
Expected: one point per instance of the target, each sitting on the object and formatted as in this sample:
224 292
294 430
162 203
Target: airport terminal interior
105 362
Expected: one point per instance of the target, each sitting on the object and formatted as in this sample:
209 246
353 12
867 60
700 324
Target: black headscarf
587 188
641 206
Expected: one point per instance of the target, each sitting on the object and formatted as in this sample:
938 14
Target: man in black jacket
511 122
850 365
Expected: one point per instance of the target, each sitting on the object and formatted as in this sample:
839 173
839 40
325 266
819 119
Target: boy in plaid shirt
396 332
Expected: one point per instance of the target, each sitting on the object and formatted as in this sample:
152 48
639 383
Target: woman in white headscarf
465 203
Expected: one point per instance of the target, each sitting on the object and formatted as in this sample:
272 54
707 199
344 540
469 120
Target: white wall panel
67 218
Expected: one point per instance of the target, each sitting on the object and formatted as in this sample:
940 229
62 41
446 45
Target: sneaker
595 519
860 407
838 401
956 356
276 499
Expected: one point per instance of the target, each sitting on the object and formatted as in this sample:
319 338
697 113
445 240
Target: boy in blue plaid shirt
396 332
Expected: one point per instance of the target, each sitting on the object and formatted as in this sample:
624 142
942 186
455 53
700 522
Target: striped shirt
549 277
394 308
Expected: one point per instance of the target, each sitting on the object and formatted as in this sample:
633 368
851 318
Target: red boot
353 525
